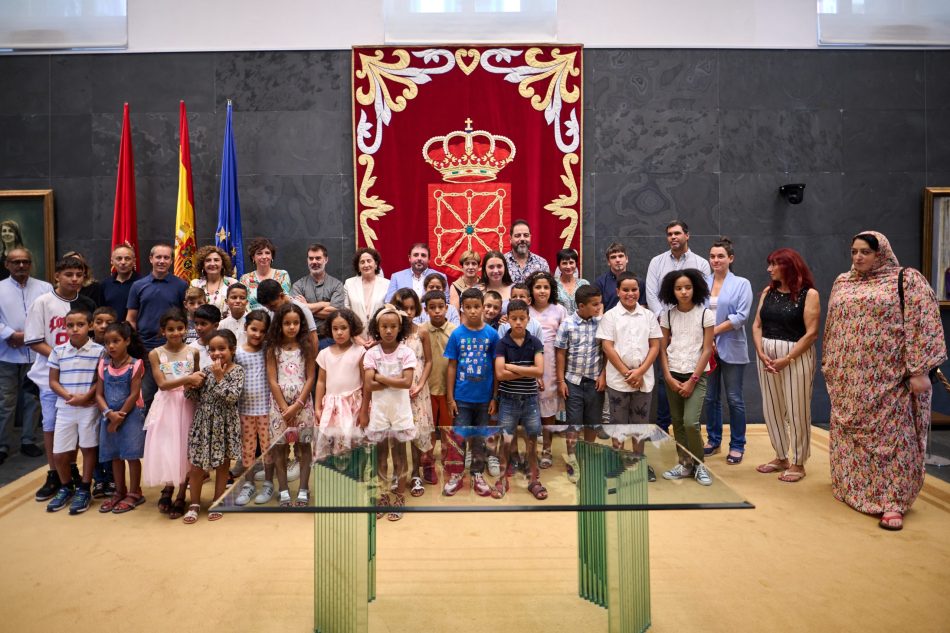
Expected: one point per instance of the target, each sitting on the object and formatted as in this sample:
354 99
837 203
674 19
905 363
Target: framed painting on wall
26 219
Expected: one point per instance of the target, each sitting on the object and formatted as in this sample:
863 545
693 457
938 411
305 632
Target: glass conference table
610 492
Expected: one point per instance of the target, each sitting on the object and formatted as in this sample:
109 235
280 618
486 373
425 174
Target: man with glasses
19 397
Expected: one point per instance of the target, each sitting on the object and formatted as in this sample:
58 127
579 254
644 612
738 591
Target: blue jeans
730 375
514 410
19 401
473 414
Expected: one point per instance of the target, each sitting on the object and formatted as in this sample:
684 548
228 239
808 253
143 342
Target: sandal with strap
177 509
538 490
192 515
892 521
772 467
501 488
214 515
110 503
733 458
398 501
130 502
165 501
792 476
546 460
303 498
382 502
417 489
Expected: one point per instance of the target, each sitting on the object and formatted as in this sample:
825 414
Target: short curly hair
202 254
260 243
356 326
366 250
667 293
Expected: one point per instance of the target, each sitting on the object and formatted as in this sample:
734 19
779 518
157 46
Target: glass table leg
344 565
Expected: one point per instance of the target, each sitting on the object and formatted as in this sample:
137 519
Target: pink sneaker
481 487
453 485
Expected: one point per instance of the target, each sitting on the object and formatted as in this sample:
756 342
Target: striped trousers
786 401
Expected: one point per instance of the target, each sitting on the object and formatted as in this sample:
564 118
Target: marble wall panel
24 85
780 140
651 79
883 140
70 144
24 145
306 80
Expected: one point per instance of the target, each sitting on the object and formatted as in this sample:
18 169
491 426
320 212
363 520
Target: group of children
245 384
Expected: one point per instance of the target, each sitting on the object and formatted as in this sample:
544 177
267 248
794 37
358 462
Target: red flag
124 220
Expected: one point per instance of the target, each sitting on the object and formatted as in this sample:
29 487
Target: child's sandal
382 502
546 460
214 515
538 490
284 499
111 503
417 489
397 501
500 489
303 498
177 509
165 501
192 515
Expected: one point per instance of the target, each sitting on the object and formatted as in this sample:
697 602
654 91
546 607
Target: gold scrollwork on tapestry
375 207
564 206
462 53
556 72
378 71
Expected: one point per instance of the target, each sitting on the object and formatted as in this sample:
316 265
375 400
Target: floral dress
252 281
878 431
215 436
218 298
422 403
292 377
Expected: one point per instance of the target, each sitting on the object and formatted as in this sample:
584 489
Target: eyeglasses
20 262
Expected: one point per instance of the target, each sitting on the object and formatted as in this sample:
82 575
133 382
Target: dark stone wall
706 135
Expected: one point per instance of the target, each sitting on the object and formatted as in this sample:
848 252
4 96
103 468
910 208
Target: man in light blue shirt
414 276
19 397
679 257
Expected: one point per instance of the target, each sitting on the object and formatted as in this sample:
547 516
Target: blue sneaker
63 495
81 502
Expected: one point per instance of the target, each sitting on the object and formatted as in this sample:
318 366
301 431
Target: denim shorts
472 414
584 405
514 410
126 443
48 405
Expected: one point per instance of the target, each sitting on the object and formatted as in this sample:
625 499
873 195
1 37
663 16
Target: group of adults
882 337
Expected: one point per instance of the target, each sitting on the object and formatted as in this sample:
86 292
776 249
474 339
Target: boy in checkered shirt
580 371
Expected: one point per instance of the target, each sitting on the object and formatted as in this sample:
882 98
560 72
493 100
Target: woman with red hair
784 333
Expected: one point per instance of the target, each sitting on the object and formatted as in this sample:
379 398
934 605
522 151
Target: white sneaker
293 471
678 472
244 497
266 494
702 475
259 472
494 466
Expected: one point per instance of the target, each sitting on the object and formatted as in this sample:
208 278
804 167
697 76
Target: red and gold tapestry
453 143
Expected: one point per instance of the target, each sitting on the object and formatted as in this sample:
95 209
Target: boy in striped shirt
72 376
519 363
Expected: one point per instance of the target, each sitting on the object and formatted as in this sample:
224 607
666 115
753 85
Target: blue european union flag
228 235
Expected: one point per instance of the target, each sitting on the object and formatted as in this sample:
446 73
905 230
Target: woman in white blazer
366 292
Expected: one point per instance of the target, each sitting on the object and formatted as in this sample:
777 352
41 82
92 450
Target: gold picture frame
28 214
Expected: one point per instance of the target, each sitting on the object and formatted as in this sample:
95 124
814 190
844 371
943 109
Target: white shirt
663 264
45 322
630 331
15 302
236 326
686 336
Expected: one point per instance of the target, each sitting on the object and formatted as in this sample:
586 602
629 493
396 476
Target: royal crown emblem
469 156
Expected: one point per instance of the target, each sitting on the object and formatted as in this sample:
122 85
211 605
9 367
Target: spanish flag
185 212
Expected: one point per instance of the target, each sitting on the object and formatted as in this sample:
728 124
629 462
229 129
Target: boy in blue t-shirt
469 391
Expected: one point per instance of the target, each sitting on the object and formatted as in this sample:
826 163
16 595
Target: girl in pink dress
340 385
546 310
174 367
